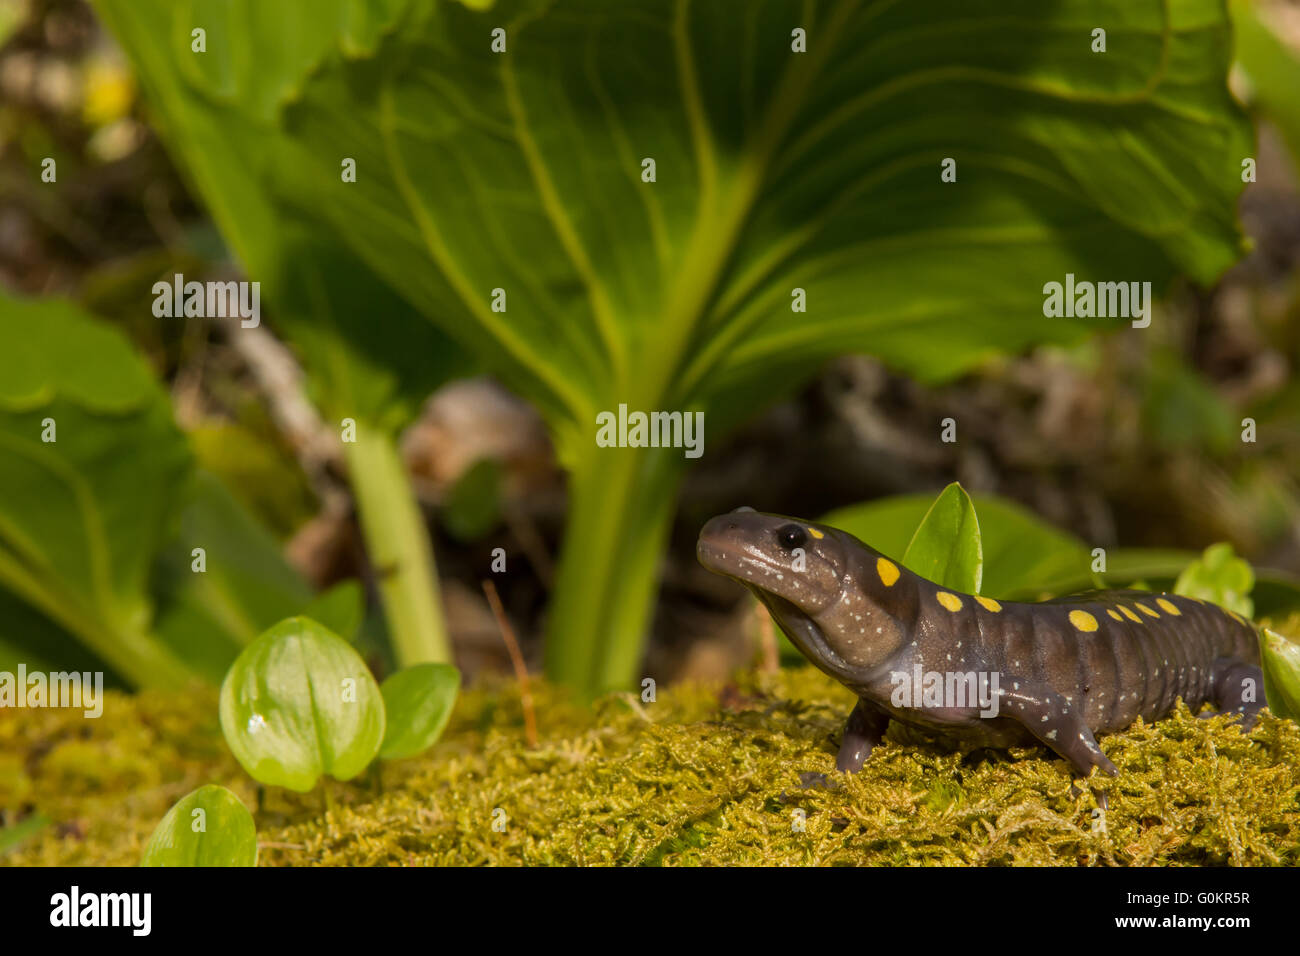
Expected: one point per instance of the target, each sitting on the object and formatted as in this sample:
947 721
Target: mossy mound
737 775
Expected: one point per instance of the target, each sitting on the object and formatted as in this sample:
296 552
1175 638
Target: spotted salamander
981 672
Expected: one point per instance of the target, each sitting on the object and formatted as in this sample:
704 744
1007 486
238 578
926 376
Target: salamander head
778 556
805 574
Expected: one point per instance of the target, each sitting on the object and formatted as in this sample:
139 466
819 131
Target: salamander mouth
754 569
744 566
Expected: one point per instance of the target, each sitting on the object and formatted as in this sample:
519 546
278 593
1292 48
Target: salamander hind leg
1237 689
865 728
1056 723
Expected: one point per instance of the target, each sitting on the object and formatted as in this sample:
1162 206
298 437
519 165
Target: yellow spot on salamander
887 570
988 603
951 601
1145 610
816 534
1083 620
1169 607
1129 614
1114 614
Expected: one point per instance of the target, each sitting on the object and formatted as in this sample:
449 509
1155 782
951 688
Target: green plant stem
620 504
397 541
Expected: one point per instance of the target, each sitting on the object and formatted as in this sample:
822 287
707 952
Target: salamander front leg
1054 721
1238 690
865 728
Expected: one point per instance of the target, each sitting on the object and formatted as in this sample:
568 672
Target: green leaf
208 617
775 171
1023 556
1281 666
1273 71
92 470
1027 559
1125 565
367 352
341 609
207 827
54 350
946 546
258 471
1068 162
31 638
1219 576
417 703
298 703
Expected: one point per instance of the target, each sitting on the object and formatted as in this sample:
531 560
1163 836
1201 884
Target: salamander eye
791 536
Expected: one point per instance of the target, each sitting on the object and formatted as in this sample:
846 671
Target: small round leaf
299 702
418 702
208 827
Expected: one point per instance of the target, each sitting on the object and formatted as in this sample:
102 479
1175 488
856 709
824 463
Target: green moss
703 776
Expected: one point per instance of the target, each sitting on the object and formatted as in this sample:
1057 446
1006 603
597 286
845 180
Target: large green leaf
775 170
368 354
246 586
83 515
1023 556
30 638
1026 558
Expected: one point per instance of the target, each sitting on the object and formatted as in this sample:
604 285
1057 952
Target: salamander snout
782 556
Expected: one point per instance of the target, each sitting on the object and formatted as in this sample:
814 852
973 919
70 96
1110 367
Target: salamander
974 670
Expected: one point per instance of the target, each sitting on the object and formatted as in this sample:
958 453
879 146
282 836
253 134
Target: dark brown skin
1058 672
